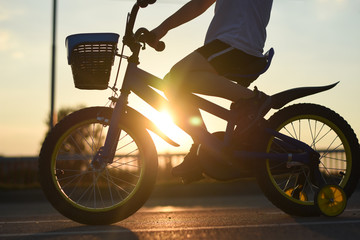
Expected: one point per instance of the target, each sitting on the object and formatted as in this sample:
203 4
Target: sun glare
165 122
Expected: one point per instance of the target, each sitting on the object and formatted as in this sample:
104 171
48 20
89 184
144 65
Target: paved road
179 213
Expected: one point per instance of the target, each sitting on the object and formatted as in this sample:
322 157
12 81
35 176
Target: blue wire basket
91 57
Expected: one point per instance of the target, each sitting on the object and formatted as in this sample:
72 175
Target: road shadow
342 227
85 232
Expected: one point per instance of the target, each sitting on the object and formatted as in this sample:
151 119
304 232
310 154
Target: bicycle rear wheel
89 195
293 188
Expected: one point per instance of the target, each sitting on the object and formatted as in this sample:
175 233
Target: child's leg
195 74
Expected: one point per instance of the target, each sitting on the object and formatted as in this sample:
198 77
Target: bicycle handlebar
142 34
145 36
150 39
144 3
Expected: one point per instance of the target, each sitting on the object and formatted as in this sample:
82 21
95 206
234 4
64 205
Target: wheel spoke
318 134
97 188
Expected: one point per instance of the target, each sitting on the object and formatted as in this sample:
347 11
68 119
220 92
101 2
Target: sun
165 123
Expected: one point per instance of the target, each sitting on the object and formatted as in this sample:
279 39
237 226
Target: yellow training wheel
331 200
300 195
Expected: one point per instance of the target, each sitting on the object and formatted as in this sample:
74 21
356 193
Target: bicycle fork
106 153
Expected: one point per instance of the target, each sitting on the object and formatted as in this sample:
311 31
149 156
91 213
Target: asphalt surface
197 211
170 190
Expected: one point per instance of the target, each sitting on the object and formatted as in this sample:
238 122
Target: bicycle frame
142 83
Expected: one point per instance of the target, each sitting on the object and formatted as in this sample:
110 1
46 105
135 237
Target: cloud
329 9
338 2
8 45
18 55
8 42
4 40
8 13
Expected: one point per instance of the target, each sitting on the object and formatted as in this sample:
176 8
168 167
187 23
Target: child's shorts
232 63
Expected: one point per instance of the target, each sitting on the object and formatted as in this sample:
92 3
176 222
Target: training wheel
331 200
296 193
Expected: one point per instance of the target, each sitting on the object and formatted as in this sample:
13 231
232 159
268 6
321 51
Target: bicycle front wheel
89 195
292 187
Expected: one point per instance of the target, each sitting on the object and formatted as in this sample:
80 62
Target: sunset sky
316 42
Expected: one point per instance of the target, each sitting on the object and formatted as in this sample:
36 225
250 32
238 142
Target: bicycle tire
85 194
322 127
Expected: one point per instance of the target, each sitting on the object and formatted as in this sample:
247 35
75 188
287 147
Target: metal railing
22 172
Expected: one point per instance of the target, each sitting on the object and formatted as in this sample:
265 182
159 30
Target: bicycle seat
246 79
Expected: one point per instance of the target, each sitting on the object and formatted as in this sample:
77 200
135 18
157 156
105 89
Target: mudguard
281 99
141 120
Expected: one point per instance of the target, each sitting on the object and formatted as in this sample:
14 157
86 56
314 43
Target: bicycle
96 177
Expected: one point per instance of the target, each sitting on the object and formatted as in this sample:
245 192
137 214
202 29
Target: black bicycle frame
142 83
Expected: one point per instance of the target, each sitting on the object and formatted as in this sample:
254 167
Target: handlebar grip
160 46
150 38
144 3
